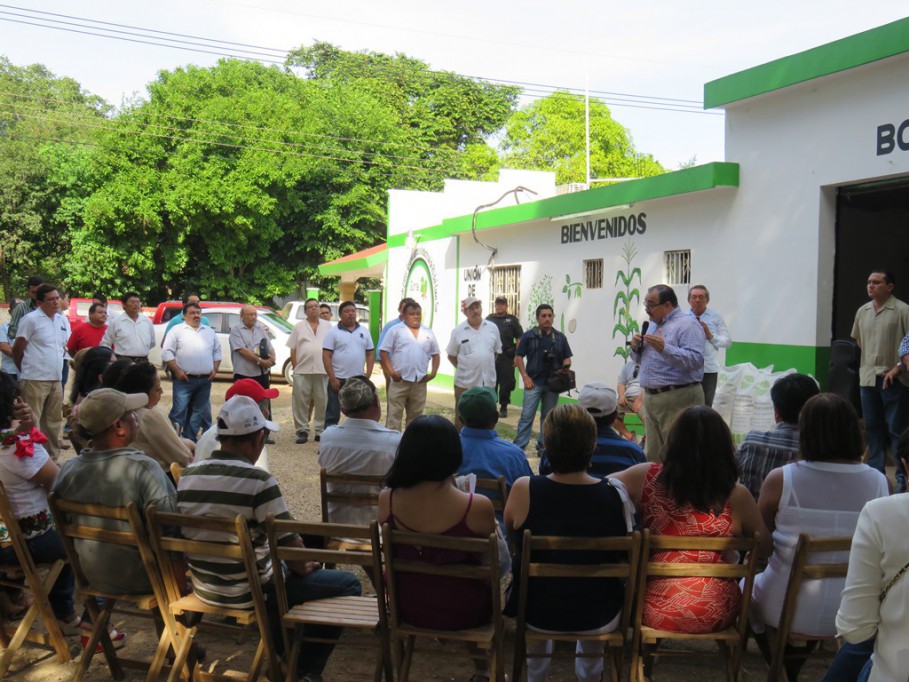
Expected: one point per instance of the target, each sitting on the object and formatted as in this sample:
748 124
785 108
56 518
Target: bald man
251 351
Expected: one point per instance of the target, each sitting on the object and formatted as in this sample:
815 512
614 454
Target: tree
549 134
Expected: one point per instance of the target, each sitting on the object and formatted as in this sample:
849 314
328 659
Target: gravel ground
295 468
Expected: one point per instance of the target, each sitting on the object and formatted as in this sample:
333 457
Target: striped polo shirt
223 486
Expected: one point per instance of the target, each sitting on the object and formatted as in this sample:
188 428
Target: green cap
477 403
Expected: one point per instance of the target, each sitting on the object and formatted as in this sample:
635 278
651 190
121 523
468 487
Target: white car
221 320
293 312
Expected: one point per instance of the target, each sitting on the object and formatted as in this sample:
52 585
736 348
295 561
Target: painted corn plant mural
625 324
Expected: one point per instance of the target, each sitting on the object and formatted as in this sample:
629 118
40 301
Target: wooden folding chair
176 471
488 637
365 613
226 539
75 522
365 494
801 571
732 639
26 575
496 486
626 569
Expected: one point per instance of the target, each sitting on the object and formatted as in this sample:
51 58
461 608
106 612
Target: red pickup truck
169 309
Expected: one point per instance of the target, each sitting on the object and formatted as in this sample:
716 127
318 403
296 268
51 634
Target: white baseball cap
598 399
241 415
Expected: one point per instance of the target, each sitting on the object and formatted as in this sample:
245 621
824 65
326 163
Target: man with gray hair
361 445
716 336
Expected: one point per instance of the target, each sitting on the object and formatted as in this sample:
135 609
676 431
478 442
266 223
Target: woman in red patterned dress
694 492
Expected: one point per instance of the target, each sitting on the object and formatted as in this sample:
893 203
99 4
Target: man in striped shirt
228 484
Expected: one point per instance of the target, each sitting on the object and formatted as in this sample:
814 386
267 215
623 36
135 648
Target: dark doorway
872 233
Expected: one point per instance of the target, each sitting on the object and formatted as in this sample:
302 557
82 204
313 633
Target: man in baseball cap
472 350
104 407
612 453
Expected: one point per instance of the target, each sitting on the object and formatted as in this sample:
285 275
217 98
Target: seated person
208 441
630 397
361 445
569 502
762 451
229 483
694 492
612 453
486 454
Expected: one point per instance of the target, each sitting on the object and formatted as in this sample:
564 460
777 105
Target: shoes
269 441
503 411
318 437
70 628
302 438
117 638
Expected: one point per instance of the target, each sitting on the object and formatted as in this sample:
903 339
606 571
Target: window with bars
678 267
506 281
593 273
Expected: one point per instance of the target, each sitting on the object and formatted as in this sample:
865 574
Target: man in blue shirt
716 336
613 453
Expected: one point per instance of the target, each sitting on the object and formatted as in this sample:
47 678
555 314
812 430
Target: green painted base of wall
813 360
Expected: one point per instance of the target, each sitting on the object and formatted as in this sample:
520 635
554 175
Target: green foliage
540 292
549 134
572 288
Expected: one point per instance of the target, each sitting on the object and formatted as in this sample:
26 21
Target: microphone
644 331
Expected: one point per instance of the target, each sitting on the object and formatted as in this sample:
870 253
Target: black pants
709 384
505 378
264 380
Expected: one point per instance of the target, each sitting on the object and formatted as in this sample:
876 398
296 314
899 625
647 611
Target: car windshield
277 320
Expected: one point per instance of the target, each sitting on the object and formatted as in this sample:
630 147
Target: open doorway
872 233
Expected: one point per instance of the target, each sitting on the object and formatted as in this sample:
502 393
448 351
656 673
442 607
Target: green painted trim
813 360
375 315
840 55
696 179
354 264
457 273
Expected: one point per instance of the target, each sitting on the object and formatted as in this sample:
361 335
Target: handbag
561 381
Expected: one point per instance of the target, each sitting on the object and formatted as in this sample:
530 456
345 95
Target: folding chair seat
36 580
487 637
76 521
176 471
730 640
348 490
625 569
215 539
363 613
801 571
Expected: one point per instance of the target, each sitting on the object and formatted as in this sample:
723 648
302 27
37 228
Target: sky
655 53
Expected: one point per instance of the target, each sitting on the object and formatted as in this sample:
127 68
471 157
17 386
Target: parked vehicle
77 313
224 316
293 312
169 309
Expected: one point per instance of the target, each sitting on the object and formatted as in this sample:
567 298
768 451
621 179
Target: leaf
621 275
634 294
636 271
568 279
620 296
622 329
624 352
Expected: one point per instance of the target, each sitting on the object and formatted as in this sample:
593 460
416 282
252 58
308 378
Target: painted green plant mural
625 324
540 292
570 288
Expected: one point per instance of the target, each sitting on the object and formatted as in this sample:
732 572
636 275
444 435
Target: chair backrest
13 537
366 493
496 486
487 571
627 569
660 569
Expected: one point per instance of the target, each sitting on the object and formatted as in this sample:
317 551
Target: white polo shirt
47 337
410 354
195 350
307 344
348 347
476 351
129 337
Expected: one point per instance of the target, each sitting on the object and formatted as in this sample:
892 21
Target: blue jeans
332 405
45 549
884 412
193 394
533 397
850 661
321 584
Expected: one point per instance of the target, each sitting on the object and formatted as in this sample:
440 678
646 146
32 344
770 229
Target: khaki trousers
662 409
46 400
405 395
459 391
309 388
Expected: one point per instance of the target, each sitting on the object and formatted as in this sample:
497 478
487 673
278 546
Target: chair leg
100 618
408 658
293 656
182 654
258 660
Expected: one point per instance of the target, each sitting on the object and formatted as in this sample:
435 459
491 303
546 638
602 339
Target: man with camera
547 354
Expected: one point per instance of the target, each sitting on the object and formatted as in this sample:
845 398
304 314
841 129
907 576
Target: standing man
89 335
325 312
192 352
7 364
347 348
310 379
879 327
413 346
510 332
38 354
547 351
132 334
24 307
473 348
177 319
251 352
716 335
672 365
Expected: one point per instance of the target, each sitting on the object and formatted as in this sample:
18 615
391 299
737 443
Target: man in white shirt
472 349
361 445
716 336
346 349
406 351
38 353
193 353
305 343
131 334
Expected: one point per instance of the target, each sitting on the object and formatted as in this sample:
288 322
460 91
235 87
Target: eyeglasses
651 304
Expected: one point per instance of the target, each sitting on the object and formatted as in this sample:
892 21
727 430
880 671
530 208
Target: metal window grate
593 273
678 267
506 281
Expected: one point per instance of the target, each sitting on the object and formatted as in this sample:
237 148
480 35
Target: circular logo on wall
420 284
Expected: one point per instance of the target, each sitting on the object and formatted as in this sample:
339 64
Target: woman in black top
569 502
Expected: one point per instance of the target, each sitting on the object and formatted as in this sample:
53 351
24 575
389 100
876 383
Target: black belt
663 389
134 358
198 376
